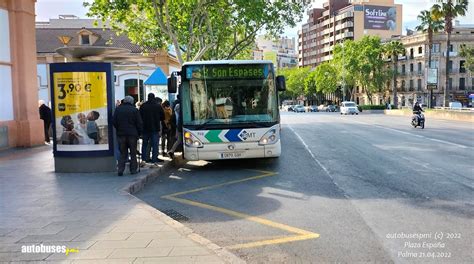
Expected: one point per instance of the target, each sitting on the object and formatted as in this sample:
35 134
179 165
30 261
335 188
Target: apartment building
412 70
339 20
282 51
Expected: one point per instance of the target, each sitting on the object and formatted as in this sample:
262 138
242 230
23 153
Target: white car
349 108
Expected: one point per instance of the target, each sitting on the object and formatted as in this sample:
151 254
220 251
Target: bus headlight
271 137
191 141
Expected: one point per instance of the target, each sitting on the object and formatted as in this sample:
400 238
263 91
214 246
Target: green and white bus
229 109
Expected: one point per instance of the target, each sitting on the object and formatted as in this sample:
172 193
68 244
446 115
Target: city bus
229 109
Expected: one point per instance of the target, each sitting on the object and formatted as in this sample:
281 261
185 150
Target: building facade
282 51
19 117
339 20
131 70
412 70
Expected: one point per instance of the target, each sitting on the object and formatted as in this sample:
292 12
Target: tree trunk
430 46
395 69
445 93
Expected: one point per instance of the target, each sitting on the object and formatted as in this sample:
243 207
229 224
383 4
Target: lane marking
301 234
415 135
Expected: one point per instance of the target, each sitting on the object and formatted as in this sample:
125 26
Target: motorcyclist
417 111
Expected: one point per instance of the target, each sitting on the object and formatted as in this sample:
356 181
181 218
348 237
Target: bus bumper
222 151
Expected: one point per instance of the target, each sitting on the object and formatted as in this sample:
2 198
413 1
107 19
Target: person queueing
128 123
166 140
179 128
45 115
152 116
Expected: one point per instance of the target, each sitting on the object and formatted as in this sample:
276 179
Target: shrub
372 107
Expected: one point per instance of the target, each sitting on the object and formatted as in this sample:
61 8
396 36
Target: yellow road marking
301 234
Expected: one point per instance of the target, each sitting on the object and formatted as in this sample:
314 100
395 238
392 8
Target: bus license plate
231 155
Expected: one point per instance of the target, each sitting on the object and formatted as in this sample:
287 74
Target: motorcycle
418 119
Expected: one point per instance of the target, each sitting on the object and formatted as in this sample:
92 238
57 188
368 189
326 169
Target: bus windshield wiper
203 125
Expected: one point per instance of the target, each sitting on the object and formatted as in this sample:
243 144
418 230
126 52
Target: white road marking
318 162
414 135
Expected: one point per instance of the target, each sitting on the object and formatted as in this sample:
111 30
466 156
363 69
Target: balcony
451 54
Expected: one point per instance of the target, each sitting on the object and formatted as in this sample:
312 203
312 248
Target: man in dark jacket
152 116
128 123
45 115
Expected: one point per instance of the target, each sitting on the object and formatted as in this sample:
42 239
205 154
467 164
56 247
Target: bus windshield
214 101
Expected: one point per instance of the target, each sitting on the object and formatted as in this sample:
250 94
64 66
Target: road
367 188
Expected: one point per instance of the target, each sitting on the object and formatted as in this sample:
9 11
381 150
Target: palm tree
448 9
429 25
393 49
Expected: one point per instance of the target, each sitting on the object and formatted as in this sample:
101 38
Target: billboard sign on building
380 17
432 78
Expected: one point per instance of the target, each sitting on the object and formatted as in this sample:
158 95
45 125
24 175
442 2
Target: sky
46 9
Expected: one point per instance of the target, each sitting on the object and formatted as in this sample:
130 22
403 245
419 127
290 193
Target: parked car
299 109
313 108
455 105
291 108
327 108
348 107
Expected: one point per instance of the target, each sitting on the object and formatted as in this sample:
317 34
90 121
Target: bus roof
220 62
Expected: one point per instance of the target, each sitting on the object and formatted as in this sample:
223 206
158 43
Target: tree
198 29
468 53
324 78
295 85
393 49
372 74
345 58
429 24
448 10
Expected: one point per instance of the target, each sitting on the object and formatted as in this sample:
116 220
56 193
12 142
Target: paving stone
166 260
121 244
101 237
104 261
208 260
172 243
18 256
83 254
189 251
140 252
155 235
139 228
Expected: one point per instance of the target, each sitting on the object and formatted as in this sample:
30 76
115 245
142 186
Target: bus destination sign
258 71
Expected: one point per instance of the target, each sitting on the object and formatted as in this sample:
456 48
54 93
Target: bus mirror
281 83
173 82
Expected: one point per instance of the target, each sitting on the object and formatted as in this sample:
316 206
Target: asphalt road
367 188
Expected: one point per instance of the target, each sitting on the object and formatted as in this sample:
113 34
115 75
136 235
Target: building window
419 84
411 67
435 48
451 48
434 64
420 50
403 69
450 84
411 85
462 84
85 40
462 66
419 67
472 83
403 85
450 66
411 53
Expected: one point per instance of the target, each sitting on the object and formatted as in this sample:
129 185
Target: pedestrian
45 115
166 128
152 116
128 123
179 128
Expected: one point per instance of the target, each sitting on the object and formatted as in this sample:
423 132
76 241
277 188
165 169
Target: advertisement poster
80 105
432 76
380 17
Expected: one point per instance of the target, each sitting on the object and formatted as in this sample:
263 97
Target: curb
140 183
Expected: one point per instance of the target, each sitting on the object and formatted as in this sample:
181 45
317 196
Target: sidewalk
89 212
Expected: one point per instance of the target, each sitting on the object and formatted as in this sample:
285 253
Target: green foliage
295 77
324 78
468 53
448 10
372 107
429 23
198 29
